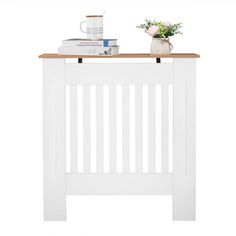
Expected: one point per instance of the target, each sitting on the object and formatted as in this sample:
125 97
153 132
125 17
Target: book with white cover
89 50
87 42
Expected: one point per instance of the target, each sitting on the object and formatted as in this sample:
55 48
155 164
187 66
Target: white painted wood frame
54 150
57 74
184 140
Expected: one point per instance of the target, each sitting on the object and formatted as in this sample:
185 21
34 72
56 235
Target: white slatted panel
73 129
139 128
99 130
126 128
164 129
87 128
113 129
151 128
125 116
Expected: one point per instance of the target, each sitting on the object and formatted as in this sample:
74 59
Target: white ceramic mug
94 27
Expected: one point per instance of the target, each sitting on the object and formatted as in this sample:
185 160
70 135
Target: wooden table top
127 55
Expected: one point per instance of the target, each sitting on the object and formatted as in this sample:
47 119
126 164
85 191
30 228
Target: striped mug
94 27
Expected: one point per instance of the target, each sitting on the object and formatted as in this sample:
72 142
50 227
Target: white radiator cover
177 180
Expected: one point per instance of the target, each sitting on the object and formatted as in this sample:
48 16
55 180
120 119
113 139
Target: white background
30 28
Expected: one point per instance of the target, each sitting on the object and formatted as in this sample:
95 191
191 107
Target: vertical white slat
126 128
86 129
139 128
73 129
171 100
112 129
99 130
54 141
151 128
164 129
184 168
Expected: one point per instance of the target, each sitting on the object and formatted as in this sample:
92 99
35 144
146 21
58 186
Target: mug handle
81 29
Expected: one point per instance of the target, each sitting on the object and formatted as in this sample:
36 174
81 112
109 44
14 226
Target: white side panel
112 74
184 140
54 153
119 184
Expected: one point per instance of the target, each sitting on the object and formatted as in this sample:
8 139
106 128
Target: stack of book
107 47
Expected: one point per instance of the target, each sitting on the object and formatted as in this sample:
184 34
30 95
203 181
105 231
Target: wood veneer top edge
128 55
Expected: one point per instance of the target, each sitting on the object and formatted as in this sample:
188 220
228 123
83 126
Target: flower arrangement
160 29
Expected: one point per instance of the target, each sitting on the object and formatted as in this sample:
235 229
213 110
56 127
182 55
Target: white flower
166 23
153 30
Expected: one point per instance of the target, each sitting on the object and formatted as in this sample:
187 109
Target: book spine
109 43
104 43
87 50
84 44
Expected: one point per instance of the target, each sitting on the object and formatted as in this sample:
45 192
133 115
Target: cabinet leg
184 140
54 139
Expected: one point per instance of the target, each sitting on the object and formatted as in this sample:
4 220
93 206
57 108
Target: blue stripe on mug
105 43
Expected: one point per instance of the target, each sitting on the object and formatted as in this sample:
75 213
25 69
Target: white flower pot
161 46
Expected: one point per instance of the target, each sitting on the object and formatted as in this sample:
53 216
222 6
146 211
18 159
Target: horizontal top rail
127 55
